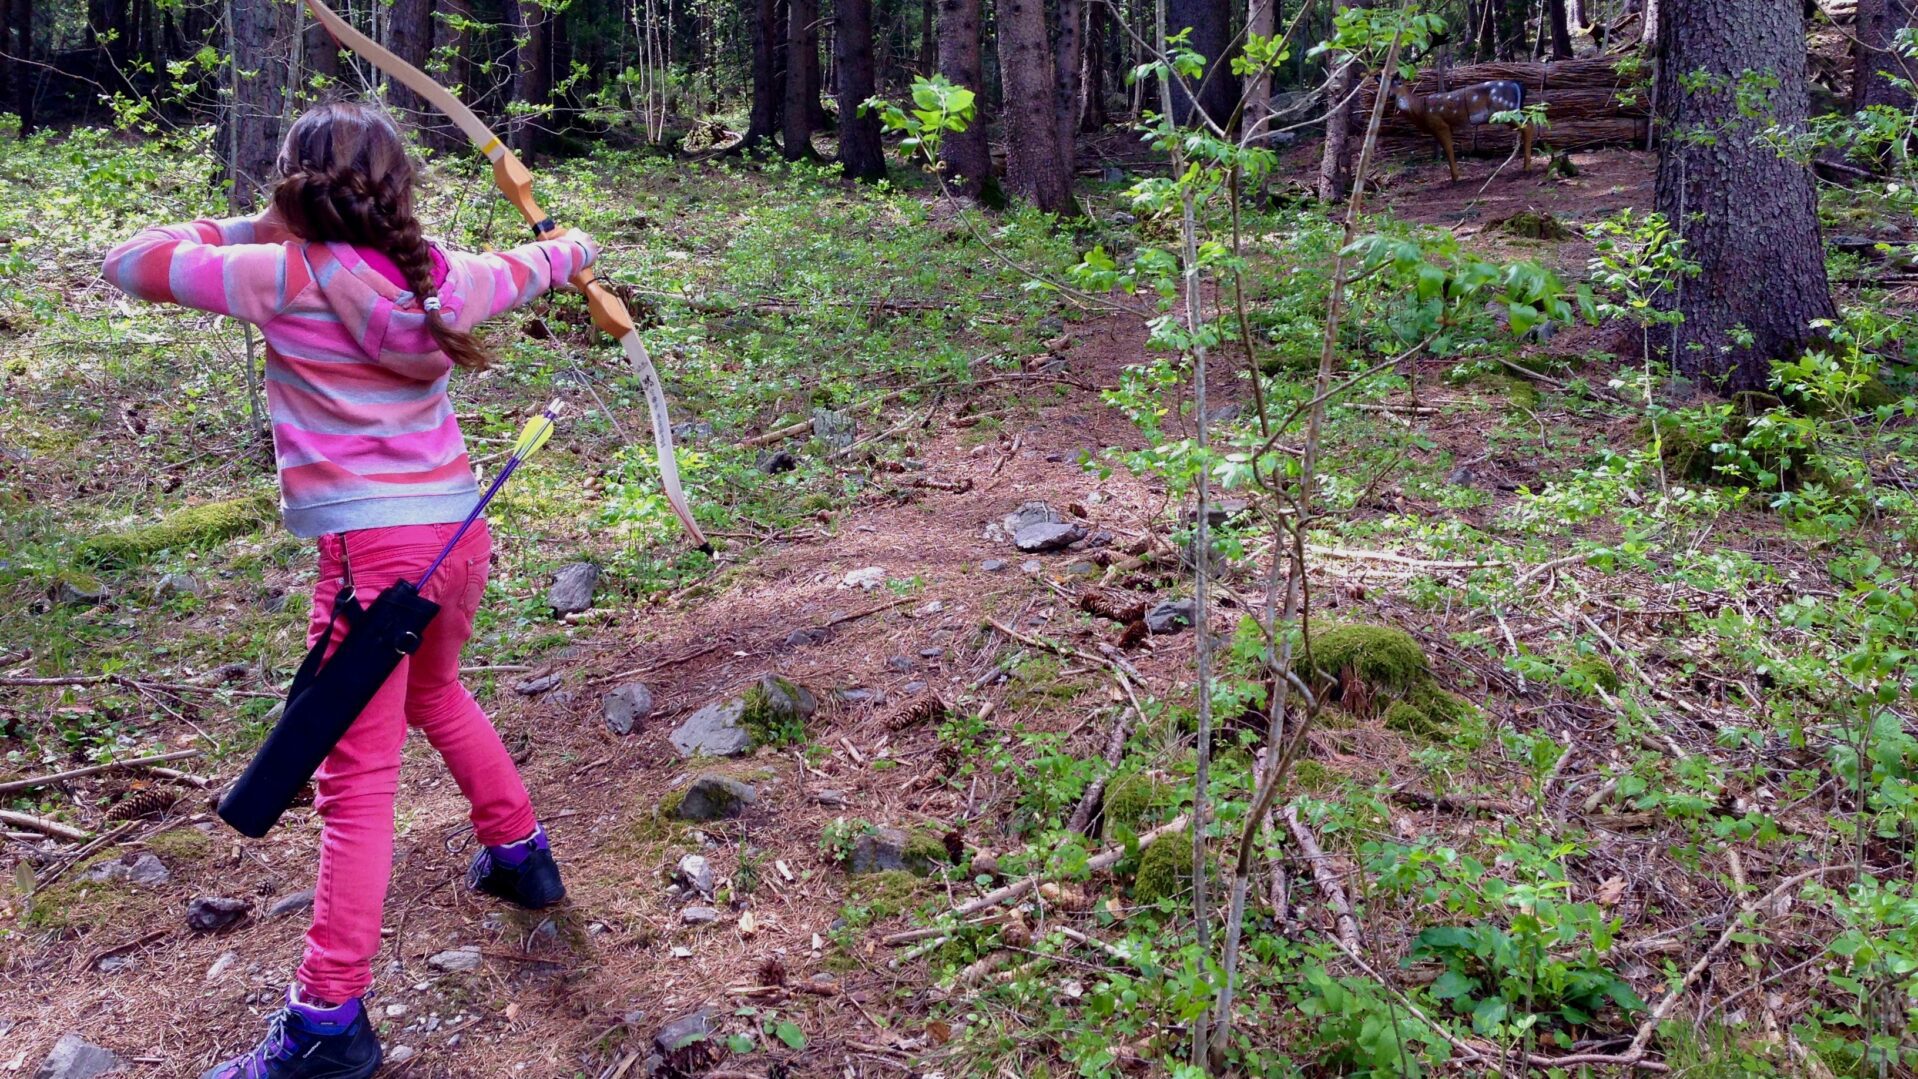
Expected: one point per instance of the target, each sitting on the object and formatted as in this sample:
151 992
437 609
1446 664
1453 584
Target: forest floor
791 966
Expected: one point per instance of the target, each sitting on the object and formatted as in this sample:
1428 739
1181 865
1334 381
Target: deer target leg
1444 134
1525 146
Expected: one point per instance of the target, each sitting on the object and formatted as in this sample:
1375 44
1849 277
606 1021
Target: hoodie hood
384 320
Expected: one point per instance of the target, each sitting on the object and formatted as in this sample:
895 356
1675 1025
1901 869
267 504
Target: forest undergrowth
1609 759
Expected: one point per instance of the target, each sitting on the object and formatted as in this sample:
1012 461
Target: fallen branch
1401 560
45 827
1327 880
131 683
1115 752
31 782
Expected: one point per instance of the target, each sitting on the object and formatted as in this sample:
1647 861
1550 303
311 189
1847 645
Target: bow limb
516 183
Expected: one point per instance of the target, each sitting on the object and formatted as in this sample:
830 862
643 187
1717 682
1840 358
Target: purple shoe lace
277 1046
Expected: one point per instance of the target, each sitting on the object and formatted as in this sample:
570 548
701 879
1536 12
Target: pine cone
1134 635
772 971
147 802
1118 606
914 712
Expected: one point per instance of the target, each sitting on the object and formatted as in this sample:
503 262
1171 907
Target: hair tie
431 303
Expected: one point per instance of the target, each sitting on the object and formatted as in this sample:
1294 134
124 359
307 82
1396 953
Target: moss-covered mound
1165 869
1369 670
195 526
1533 225
1133 799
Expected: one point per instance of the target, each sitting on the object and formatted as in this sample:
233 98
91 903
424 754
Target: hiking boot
304 1041
521 873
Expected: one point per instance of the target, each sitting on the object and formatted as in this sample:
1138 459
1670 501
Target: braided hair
345 178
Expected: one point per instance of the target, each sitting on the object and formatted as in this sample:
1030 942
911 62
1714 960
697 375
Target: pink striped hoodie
362 429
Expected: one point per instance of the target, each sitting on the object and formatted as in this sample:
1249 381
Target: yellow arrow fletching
537 432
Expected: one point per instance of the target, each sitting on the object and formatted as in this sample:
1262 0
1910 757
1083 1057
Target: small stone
455 961
715 797
878 851
698 916
394 1011
912 687
993 565
212 913
1171 616
400 1054
854 695
626 708
692 432
537 684
1029 514
1098 539
830 798
73 1057
179 584
1082 568
801 638
572 590
143 868
1461 476
78 592
1220 513
297 903
684 1031
112 963
714 731
773 462
931 653
696 873
226 962
866 579
1039 538
901 664
1031 567
1112 174
834 430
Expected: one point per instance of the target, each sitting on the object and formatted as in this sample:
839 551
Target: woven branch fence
1587 103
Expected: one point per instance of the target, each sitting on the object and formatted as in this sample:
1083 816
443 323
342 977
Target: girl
363 321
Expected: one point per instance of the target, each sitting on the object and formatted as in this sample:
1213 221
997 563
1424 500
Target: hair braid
345 177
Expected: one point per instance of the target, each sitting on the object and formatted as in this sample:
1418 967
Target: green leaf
1452 985
789 1032
740 1043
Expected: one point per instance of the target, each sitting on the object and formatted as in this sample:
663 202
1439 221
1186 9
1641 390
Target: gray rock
226 962
691 432
830 798
993 565
1112 174
74 1057
1029 514
400 1054
1220 513
179 584
1462 476
912 687
142 868
1098 539
1082 568
572 590
1039 538
1031 567
698 916
696 873
773 462
537 684
901 664
855 695
626 707
684 1031
801 638
455 961
212 913
931 652
878 851
79 592
715 797
786 699
1171 616
714 731
834 430
286 905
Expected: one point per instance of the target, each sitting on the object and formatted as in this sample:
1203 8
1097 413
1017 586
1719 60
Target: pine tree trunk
6 51
928 37
815 79
1092 74
799 125
1335 162
1650 25
1561 29
1035 164
769 45
1875 62
23 71
532 71
1748 214
1068 61
251 127
860 153
1262 20
963 154
410 36
1211 25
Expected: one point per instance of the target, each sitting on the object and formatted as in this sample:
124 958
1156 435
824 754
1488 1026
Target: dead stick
1115 752
75 773
1327 880
43 826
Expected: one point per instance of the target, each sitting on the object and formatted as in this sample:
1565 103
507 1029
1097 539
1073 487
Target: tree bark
1561 29
1092 74
1748 214
802 78
257 79
860 153
815 81
1035 163
1068 60
532 72
1335 160
769 46
23 70
1211 24
1875 61
1261 19
963 155
410 36
928 37
1649 26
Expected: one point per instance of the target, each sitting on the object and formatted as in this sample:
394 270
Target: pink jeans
355 788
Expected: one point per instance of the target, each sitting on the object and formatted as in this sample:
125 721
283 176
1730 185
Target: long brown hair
345 178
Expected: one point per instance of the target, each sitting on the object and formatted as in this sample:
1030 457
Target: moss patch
1132 798
195 526
1586 672
1533 225
776 710
180 845
1380 671
886 894
925 852
1165 869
